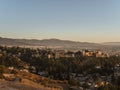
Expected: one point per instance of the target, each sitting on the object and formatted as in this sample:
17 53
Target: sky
76 20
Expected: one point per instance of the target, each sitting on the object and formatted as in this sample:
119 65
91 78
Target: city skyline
80 20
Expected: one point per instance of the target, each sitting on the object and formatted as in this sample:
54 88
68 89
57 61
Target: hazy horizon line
56 39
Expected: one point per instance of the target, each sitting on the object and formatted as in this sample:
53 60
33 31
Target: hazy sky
78 20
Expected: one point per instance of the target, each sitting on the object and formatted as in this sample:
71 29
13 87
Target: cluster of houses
51 53
65 53
93 81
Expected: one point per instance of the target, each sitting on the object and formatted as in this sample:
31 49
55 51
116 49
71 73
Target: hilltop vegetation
65 69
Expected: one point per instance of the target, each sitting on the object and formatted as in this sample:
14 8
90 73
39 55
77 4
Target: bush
73 82
2 70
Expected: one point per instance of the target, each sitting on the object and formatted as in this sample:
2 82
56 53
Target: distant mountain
48 42
112 43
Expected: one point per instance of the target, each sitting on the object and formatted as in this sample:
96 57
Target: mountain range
54 43
112 43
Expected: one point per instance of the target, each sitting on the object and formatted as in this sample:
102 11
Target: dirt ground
8 85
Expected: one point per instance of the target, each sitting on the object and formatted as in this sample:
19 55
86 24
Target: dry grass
39 81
